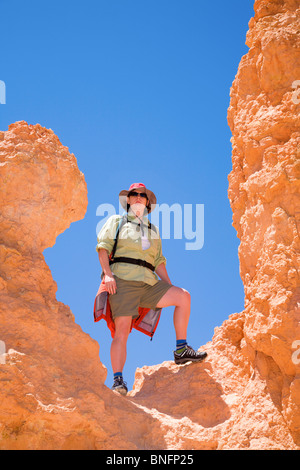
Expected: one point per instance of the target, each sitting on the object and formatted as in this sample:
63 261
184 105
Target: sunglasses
135 194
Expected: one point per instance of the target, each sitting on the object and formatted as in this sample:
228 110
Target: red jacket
146 322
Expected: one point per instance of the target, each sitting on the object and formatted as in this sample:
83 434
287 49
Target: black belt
140 262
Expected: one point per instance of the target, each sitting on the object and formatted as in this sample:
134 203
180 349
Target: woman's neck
138 217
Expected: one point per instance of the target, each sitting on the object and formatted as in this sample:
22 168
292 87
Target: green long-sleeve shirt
130 244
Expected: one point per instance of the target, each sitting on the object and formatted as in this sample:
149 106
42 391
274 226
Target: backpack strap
139 262
151 226
121 223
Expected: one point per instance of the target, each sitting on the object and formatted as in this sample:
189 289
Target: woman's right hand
108 277
110 284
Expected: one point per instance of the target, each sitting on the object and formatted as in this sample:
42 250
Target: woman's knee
186 296
122 327
176 296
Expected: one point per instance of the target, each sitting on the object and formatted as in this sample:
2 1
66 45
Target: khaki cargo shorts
131 295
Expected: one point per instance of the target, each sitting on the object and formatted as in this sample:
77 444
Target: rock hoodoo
264 188
246 395
52 393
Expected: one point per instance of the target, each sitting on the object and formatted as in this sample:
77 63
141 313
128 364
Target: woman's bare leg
118 348
181 299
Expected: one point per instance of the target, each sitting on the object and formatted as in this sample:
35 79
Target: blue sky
138 91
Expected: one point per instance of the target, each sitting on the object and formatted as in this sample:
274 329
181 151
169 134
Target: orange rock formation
246 395
264 189
52 393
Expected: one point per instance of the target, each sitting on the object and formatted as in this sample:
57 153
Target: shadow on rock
184 391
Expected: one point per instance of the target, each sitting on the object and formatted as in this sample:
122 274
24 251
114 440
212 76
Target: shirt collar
132 218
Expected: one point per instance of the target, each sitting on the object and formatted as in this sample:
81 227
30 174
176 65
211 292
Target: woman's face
137 200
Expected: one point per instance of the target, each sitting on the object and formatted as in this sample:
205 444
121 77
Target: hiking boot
189 355
120 386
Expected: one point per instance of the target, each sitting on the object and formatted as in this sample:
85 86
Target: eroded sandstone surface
246 395
264 192
52 393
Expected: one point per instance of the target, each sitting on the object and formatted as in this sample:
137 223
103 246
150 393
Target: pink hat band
150 195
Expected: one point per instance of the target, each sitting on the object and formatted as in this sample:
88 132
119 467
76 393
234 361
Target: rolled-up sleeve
106 236
159 256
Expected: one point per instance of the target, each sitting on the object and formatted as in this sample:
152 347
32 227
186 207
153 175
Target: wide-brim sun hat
150 195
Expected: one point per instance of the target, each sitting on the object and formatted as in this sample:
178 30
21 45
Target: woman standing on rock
130 278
